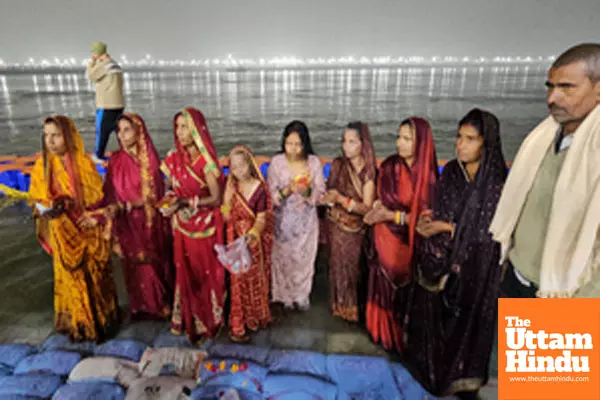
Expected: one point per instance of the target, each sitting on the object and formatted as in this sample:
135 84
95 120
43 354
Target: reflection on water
253 107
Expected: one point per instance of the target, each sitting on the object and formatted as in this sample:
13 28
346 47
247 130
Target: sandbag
233 373
62 342
34 385
158 388
89 391
181 361
12 354
122 348
298 387
240 352
363 377
297 362
53 362
105 369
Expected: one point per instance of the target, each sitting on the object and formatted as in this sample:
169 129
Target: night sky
198 29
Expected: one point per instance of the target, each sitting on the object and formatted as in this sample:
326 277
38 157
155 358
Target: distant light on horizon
288 61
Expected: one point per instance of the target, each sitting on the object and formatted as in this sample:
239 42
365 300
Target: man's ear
596 89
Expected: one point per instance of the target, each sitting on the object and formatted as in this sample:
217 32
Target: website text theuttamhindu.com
558 379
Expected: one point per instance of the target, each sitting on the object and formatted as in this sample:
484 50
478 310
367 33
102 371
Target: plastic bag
235 256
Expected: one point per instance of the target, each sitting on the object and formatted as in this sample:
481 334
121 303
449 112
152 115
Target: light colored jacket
108 77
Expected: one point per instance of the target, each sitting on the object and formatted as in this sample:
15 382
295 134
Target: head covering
202 139
484 192
149 166
367 151
255 169
82 172
239 213
99 48
425 173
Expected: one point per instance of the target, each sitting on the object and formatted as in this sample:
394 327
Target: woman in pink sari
197 183
132 187
296 182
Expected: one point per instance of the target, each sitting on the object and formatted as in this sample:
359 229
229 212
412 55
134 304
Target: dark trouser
512 287
106 123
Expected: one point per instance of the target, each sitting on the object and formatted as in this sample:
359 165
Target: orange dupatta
74 176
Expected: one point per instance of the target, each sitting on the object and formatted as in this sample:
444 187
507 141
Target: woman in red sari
197 183
405 189
249 212
132 187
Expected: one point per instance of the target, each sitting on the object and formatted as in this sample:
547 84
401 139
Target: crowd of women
410 255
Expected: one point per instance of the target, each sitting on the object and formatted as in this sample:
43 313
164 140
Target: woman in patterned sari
297 183
64 184
197 183
405 189
132 187
351 192
452 315
249 212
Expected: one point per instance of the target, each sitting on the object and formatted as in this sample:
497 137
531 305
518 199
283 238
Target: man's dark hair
589 53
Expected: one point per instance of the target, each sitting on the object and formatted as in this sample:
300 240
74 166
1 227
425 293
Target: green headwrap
98 48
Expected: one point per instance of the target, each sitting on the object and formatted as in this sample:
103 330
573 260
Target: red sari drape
199 277
142 234
250 290
400 188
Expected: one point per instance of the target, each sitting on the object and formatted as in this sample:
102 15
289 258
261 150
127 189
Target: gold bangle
397 217
225 208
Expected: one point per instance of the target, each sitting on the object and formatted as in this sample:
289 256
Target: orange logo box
548 349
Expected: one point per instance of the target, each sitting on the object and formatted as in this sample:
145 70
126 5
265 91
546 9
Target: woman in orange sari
197 183
405 189
64 184
249 212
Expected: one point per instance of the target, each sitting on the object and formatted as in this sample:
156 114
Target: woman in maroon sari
350 194
405 188
132 188
451 318
197 182
248 210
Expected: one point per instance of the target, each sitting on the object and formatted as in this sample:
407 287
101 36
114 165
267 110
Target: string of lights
278 62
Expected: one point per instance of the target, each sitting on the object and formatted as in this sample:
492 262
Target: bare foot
239 338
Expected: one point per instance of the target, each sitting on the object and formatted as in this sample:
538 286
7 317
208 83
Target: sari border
244 202
211 165
195 176
465 385
194 235
165 170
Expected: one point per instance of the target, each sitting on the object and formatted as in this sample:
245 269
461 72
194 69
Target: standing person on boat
132 187
451 314
351 193
548 218
405 189
248 210
297 183
197 185
107 75
64 183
